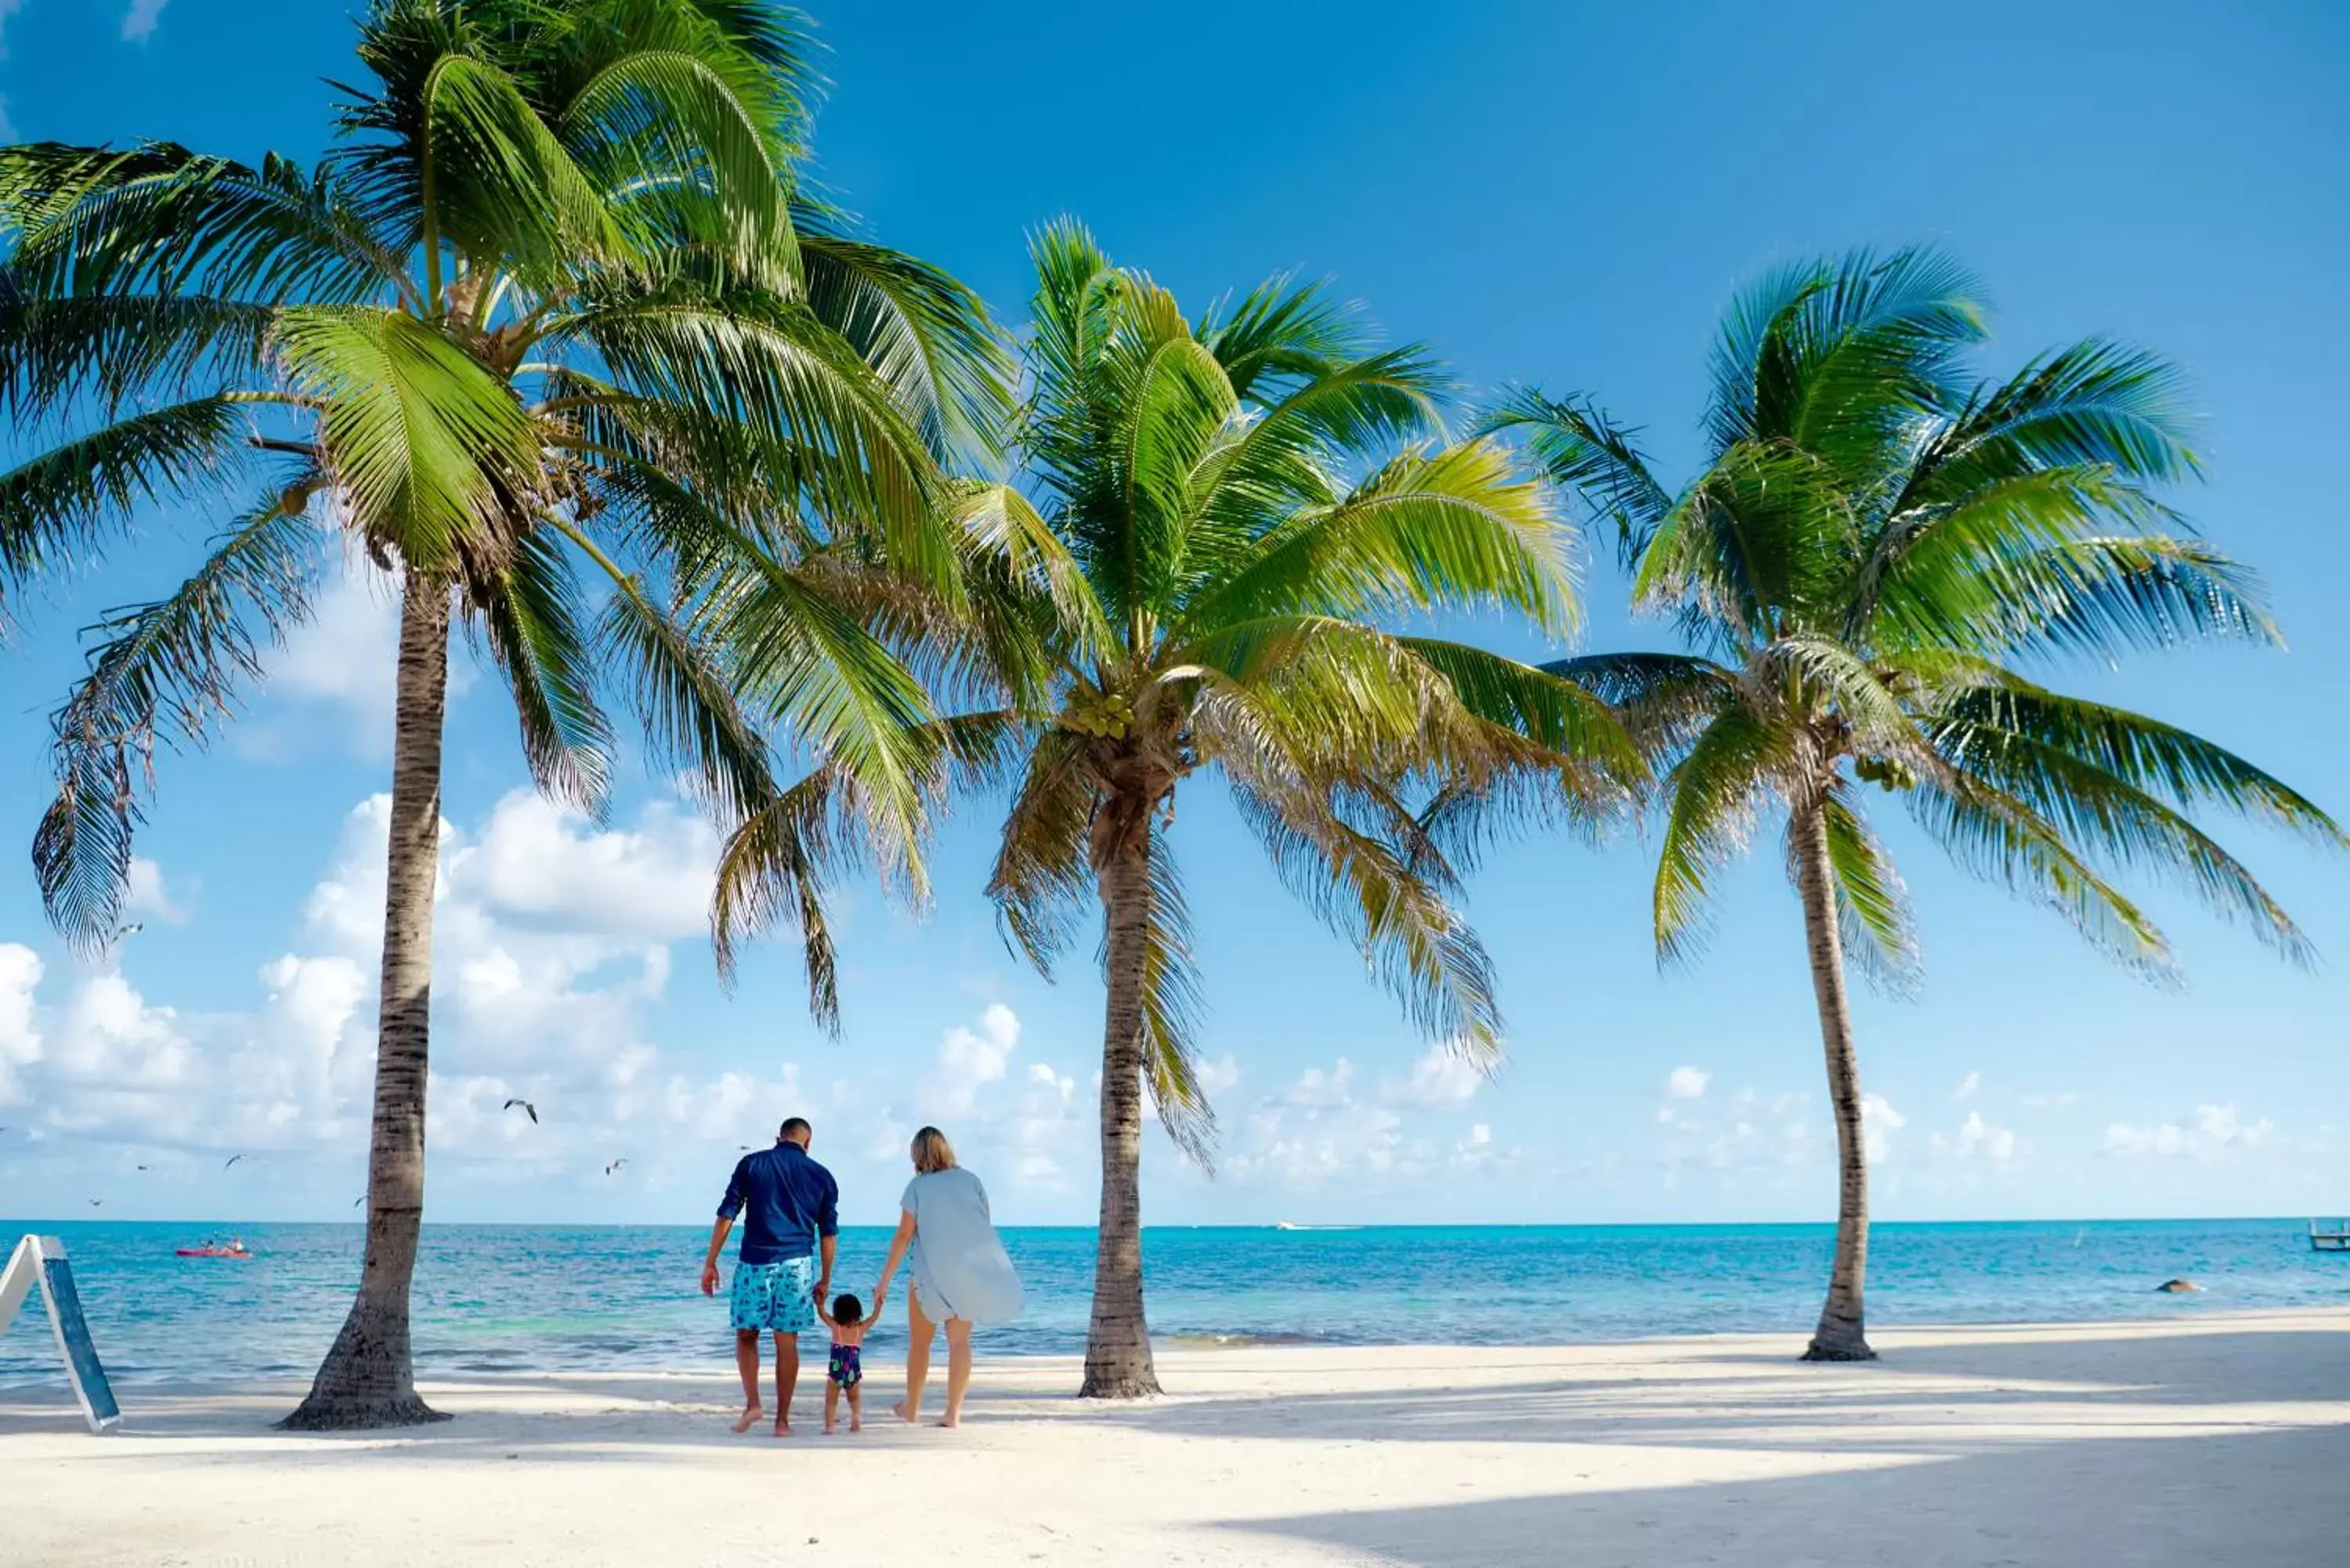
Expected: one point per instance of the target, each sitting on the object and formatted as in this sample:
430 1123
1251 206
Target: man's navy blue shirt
786 1201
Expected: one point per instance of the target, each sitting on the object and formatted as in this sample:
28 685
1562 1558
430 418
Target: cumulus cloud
139 21
2212 1130
145 893
1878 1122
1967 1086
1324 1128
1440 1078
541 972
968 1060
20 1042
1977 1139
1687 1082
347 654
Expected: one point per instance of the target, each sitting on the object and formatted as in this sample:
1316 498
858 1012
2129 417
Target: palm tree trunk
1117 1344
1841 1335
368 1376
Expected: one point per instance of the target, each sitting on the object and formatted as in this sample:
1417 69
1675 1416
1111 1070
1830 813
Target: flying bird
96 1201
140 1168
360 1200
528 1109
231 1160
614 1166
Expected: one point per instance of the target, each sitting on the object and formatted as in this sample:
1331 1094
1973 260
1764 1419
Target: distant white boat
2337 1239
1285 1225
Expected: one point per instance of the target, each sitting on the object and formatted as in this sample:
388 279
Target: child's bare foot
750 1414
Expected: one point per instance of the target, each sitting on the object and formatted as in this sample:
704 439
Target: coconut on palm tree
547 334
1214 518
1880 556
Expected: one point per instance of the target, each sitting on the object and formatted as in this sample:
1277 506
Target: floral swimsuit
844 1369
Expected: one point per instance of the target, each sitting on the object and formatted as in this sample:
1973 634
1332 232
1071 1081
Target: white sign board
41 1261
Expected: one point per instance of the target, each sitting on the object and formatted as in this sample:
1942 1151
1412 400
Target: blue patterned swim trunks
780 1296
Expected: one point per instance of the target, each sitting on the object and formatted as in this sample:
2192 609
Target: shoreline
2164 1442
2184 1315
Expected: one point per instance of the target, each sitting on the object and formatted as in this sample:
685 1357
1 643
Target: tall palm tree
1875 544
549 325
1214 516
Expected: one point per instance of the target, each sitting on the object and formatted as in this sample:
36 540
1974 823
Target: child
848 1322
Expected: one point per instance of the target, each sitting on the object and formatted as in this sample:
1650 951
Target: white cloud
2061 1100
7 121
1967 1086
540 972
539 864
139 21
1977 1139
1687 1082
1321 1129
2212 1130
347 653
1221 1074
20 1042
8 9
146 893
1441 1078
968 1059
1878 1122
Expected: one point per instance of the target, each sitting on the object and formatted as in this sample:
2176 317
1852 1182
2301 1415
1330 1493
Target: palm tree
1876 541
549 316
1215 516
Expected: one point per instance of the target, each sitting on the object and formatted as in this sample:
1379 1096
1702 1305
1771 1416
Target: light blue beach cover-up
960 1266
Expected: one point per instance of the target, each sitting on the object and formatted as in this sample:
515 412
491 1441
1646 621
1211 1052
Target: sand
2204 1440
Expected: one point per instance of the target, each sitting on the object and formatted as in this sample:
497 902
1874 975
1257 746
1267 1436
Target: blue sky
1561 194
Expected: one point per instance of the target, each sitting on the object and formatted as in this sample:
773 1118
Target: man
791 1208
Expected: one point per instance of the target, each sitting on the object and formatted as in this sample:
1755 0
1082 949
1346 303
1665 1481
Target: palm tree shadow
2266 1498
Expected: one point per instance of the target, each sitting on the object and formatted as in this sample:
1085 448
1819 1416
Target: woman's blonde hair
931 1151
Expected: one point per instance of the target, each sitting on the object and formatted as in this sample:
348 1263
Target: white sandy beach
2204 1440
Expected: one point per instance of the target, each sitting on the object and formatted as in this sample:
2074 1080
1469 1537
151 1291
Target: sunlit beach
1339 784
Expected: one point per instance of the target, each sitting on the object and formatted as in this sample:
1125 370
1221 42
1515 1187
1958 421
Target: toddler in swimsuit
849 1322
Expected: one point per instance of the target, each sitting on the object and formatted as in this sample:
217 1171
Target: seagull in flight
96 1202
231 1160
528 1109
141 1168
614 1166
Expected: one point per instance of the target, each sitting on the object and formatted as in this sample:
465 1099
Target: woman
962 1275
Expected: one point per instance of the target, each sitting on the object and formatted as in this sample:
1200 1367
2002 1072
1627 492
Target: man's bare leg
746 1361
787 1379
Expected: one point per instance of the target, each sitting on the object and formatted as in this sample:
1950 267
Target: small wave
1257 1340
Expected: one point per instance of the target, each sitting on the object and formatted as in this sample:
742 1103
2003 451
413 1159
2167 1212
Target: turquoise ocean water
506 1299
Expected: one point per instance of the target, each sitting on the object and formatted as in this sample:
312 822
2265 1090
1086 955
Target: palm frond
63 504
1714 794
162 673
1583 452
1872 905
536 629
426 443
